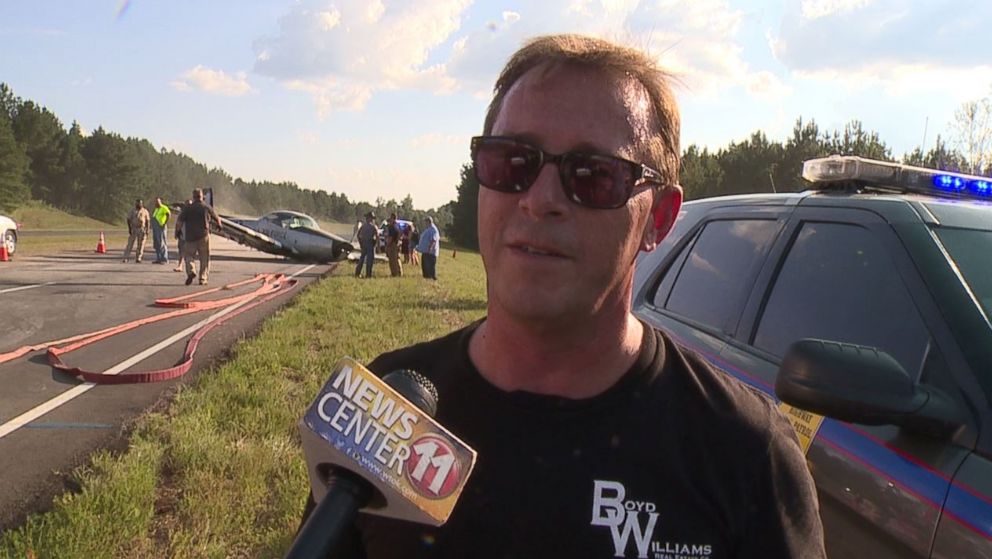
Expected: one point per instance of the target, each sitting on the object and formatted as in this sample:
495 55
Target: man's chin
537 305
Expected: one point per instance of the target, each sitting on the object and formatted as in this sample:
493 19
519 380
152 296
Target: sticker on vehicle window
805 423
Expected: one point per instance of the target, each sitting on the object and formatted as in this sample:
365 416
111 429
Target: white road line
79 390
23 287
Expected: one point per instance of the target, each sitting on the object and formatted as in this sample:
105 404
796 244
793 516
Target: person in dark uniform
195 220
597 435
368 238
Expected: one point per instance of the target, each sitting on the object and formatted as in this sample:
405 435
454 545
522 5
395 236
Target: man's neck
561 359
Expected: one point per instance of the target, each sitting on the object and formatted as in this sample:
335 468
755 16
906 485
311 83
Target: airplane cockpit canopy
292 220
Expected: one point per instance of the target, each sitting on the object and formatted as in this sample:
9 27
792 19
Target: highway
51 422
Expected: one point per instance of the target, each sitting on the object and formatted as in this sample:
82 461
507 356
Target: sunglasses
589 179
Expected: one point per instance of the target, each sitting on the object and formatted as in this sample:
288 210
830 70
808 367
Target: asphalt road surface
51 422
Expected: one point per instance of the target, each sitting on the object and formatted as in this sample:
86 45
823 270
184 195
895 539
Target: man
429 247
414 243
194 220
159 218
393 246
368 238
180 239
405 247
137 227
597 436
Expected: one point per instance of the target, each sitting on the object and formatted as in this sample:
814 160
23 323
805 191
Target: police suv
863 307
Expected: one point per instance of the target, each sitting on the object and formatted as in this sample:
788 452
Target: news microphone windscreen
414 387
362 424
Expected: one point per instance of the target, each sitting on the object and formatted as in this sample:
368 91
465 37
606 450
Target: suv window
838 283
712 280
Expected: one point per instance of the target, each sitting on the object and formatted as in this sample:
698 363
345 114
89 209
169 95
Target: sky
378 98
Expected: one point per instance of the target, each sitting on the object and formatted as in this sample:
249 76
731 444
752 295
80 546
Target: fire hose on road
270 287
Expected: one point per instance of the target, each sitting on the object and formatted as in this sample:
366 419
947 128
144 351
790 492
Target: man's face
547 257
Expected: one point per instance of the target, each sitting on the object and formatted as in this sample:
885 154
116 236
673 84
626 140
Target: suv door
697 291
843 275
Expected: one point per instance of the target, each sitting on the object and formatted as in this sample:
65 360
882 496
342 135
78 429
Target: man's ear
667 203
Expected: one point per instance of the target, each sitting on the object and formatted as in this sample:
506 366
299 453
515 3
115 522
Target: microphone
372 445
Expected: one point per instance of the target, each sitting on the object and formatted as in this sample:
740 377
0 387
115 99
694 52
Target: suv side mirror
863 385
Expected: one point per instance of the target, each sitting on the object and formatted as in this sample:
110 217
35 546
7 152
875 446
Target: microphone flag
360 423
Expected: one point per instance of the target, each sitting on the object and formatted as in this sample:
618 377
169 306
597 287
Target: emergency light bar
894 176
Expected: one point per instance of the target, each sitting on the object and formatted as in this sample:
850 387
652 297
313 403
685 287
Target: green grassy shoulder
38 215
221 473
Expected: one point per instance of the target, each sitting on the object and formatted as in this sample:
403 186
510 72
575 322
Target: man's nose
546 197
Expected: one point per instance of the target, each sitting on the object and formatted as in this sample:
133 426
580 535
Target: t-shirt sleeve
783 519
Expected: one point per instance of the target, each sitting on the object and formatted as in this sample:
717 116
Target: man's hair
661 150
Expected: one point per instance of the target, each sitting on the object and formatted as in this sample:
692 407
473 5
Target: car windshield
971 249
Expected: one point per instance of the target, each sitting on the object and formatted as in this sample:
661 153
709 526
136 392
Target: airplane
285 233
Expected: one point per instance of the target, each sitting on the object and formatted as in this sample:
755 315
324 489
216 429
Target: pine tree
13 168
464 229
40 134
111 180
67 187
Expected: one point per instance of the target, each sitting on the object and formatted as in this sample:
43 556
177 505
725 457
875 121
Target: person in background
414 240
368 238
196 220
393 246
137 228
405 242
429 247
160 217
181 238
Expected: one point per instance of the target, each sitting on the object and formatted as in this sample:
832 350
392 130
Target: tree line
758 164
99 175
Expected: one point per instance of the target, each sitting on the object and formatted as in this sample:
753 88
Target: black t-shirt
675 461
195 218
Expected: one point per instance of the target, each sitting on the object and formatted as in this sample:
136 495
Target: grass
221 473
36 215
340 229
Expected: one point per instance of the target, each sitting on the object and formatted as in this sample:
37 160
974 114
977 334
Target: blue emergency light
896 177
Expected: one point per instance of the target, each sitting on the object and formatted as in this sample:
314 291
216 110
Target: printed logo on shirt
632 523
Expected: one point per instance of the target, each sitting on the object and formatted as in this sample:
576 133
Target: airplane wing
300 244
249 237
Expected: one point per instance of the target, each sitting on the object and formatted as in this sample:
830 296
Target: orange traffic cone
101 247
4 255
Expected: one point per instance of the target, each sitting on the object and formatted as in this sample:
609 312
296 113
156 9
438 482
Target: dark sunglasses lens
506 165
597 182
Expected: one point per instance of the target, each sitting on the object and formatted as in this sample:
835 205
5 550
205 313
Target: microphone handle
336 512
